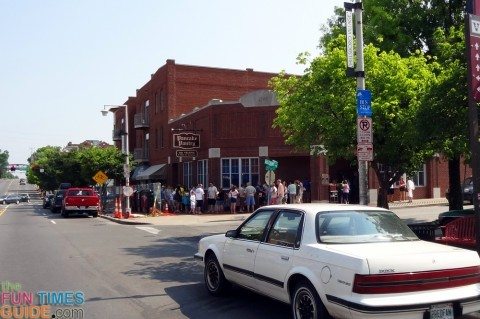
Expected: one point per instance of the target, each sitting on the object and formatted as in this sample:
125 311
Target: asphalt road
125 271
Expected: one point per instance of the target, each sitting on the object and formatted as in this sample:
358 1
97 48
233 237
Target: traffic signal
13 168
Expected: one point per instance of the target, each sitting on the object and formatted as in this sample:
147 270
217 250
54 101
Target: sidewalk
187 219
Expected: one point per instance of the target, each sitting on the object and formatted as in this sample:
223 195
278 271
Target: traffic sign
364 103
270 177
364 130
127 191
365 152
100 177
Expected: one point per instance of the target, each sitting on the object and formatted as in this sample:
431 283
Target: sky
61 61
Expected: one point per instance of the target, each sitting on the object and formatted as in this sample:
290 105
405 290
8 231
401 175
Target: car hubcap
213 275
305 305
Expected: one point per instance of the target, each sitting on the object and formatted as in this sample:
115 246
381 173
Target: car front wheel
214 279
306 303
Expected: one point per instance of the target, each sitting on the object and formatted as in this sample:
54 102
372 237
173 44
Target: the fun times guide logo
16 303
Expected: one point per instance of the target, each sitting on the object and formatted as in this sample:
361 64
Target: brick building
229 113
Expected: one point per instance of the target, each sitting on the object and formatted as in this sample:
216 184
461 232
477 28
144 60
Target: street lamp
126 168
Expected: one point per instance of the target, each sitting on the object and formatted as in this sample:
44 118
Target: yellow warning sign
100 177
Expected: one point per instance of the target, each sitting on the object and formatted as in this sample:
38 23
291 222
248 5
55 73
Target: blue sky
62 60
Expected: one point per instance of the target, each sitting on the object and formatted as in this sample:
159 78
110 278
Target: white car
343 261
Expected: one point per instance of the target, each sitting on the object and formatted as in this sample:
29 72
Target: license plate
443 311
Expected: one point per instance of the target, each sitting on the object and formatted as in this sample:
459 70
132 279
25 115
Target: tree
432 26
320 108
49 166
446 102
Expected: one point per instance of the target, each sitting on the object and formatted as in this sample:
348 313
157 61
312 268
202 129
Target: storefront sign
186 153
186 140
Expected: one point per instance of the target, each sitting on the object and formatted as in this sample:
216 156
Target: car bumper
198 256
362 308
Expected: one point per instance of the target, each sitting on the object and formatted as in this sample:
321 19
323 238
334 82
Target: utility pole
364 151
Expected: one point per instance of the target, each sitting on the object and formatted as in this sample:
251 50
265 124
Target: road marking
3 211
150 230
53 222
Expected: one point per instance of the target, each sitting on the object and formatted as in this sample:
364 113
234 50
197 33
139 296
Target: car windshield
361 227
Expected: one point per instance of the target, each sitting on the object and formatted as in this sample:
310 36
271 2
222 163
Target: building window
162 145
155 99
187 174
236 171
419 176
202 172
156 138
161 100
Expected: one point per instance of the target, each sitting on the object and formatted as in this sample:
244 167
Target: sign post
472 39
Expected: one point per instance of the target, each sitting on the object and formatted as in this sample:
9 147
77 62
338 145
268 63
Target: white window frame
202 172
187 174
239 170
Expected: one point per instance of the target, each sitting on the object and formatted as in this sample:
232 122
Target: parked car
344 261
24 197
23 181
467 190
47 200
57 201
11 199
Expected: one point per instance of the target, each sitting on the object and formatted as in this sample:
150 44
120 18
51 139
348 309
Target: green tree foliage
49 166
320 108
434 27
4 167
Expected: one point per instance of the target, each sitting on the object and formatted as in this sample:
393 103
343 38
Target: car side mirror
231 233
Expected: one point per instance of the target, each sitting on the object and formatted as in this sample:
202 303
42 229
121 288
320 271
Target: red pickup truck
80 201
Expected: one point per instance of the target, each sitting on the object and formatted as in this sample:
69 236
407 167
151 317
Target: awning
138 170
153 172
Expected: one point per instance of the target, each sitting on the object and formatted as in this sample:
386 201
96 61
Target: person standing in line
299 197
345 191
250 197
241 197
280 191
233 195
272 191
199 195
410 189
292 192
212 192
193 201
403 188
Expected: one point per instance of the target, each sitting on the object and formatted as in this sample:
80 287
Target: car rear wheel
306 303
215 281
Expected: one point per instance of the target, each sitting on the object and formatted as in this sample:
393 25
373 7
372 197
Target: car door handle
250 250
285 258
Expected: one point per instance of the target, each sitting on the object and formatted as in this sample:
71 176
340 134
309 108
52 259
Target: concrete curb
125 221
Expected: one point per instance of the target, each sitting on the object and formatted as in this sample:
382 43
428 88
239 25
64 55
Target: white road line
53 221
150 230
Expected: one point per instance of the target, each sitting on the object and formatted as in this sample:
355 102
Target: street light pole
126 168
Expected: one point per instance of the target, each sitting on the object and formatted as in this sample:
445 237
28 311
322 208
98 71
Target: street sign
364 130
349 27
270 177
365 152
186 153
100 177
127 191
475 55
271 165
364 103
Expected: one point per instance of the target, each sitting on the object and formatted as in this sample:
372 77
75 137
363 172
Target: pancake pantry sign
186 144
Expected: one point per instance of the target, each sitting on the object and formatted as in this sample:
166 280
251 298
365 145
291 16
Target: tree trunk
455 197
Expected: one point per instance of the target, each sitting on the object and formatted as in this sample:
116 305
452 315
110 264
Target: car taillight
416 281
